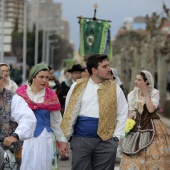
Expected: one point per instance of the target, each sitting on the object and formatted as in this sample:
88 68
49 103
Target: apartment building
14 13
46 13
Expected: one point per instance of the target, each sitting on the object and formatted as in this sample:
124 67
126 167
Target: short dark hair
94 60
50 68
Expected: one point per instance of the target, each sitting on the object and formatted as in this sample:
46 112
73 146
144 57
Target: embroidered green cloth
95 37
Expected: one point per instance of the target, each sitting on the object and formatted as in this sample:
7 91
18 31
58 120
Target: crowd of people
88 112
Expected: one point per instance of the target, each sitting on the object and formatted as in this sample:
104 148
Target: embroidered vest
107 98
7 127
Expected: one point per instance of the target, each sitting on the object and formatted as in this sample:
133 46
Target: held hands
9 140
64 149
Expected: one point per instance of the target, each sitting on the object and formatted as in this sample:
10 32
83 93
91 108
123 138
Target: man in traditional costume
95 117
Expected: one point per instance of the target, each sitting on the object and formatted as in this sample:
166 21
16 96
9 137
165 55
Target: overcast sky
114 10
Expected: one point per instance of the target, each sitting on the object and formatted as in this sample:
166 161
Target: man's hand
9 140
64 149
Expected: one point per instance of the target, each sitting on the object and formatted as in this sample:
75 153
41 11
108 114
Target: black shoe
64 158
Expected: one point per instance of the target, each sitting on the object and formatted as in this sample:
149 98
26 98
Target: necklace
142 93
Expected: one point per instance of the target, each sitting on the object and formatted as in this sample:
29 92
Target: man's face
51 75
76 75
103 70
84 73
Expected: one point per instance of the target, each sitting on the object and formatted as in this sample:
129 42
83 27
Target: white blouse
12 86
133 103
55 116
24 116
90 106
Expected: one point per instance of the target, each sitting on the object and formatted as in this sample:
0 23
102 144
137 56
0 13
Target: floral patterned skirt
155 157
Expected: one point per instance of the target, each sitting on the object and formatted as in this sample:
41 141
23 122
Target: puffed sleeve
131 103
155 97
24 116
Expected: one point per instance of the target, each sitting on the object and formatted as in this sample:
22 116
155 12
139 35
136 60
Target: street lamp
53 48
37 32
36 35
45 30
2 30
48 45
24 43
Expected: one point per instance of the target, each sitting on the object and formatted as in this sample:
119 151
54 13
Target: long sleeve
24 116
56 118
122 114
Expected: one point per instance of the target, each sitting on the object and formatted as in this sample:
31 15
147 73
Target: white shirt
12 86
24 116
154 96
90 106
55 116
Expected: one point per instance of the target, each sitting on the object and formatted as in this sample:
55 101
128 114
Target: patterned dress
155 155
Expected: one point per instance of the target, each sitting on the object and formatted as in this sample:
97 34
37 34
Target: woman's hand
64 149
145 90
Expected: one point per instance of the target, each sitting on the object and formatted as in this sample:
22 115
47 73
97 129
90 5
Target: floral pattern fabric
50 103
155 157
7 127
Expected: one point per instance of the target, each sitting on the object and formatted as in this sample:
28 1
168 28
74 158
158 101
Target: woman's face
40 81
139 81
5 71
1 80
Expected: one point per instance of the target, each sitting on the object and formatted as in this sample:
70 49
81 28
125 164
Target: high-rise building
46 13
14 13
65 29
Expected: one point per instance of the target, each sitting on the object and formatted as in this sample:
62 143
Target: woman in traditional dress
17 122
8 83
40 153
147 146
12 86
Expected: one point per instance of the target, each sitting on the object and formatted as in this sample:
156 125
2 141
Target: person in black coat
75 71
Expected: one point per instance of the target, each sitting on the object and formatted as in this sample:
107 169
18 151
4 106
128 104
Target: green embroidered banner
95 37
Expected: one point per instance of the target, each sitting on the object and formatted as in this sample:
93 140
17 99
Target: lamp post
43 46
48 46
53 48
45 39
24 43
36 35
2 30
